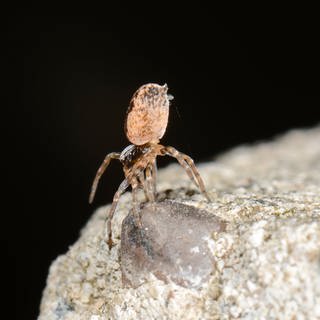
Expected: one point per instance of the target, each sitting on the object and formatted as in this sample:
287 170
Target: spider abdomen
148 113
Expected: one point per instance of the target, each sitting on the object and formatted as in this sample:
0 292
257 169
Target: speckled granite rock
267 259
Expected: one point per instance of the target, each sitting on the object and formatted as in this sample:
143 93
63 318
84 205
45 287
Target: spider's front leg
101 170
188 164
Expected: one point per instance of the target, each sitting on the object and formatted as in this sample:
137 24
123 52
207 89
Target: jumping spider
145 124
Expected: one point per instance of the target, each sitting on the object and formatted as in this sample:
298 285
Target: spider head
147 116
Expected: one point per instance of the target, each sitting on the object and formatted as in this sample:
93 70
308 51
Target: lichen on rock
261 233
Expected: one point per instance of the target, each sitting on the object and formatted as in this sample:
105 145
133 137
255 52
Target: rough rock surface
267 260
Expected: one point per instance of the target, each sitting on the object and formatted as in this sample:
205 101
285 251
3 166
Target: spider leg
122 188
143 185
150 185
154 176
147 181
197 175
143 174
102 168
180 157
187 163
135 204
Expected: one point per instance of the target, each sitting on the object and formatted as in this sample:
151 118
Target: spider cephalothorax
145 125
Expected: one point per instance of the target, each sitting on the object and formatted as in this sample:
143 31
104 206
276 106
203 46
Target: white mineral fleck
195 249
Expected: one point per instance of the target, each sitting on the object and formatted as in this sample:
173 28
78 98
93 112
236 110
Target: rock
173 245
266 249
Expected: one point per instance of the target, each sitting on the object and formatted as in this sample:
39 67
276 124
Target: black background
237 75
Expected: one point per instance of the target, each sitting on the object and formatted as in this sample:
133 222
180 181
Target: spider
145 124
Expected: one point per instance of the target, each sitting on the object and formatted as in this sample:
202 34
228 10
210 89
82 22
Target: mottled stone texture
265 252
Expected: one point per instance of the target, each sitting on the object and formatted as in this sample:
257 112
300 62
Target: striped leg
187 163
122 188
101 170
